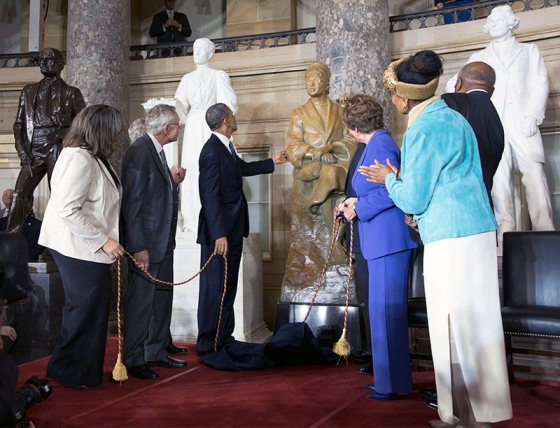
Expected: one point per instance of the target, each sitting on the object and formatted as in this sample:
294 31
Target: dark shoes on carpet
432 404
429 393
143 371
74 386
168 363
367 369
174 349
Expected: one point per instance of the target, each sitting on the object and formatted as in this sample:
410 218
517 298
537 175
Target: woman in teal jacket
440 183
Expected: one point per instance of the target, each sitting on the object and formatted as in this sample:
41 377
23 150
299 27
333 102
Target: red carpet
303 396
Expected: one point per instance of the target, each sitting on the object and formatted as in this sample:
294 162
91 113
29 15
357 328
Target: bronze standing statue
44 115
320 148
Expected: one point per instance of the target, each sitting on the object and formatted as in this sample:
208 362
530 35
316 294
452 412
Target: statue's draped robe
317 188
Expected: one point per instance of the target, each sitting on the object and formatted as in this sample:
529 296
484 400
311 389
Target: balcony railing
430 18
472 11
229 44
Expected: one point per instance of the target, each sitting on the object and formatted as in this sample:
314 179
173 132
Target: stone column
98 56
353 40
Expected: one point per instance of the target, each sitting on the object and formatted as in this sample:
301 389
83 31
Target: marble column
98 56
353 40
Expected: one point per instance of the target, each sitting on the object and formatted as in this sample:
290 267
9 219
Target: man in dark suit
148 226
170 26
473 89
45 112
222 224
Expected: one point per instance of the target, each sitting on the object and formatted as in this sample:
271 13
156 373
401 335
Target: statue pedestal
249 321
326 322
39 316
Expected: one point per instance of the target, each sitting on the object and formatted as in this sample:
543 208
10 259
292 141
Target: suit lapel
157 160
515 50
226 154
111 175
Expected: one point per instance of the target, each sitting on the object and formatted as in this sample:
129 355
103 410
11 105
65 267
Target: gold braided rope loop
221 306
119 371
336 225
342 347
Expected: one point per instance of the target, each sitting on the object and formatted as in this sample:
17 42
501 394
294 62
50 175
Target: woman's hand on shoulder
376 173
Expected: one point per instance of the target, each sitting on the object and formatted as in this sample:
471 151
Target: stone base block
326 322
39 316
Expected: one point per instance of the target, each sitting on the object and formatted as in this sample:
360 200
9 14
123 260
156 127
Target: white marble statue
197 91
520 96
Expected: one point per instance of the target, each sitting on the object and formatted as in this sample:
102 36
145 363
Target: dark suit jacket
170 34
481 114
224 209
149 204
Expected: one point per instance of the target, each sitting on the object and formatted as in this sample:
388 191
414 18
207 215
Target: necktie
165 167
232 149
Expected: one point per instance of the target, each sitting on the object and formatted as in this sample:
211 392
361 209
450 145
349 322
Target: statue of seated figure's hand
328 158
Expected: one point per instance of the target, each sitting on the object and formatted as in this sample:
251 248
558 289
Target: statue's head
500 22
317 78
51 62
203 51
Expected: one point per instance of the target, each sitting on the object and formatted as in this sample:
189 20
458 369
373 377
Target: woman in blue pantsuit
386 245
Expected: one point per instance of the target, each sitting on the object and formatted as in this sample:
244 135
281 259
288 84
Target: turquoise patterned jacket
441 178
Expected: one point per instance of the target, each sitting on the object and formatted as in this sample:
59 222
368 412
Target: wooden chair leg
509 358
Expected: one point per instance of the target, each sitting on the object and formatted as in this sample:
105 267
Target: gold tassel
342 347
119 372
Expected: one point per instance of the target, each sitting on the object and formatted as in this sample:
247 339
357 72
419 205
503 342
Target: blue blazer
382 227
149 203
224 210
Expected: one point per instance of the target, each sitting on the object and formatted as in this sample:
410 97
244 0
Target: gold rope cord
342 347
119 372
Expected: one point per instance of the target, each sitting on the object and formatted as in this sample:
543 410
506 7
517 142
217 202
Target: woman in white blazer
80 227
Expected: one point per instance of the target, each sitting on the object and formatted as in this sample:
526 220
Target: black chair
417 313
531 292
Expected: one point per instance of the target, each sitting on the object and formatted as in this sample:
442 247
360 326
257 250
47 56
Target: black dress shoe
174 349
142 372
432 404
429 393
367 369
168 363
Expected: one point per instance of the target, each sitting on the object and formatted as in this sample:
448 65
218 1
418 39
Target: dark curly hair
363 113
420 68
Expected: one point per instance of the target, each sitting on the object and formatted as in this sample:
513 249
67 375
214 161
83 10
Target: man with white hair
196 92
520 96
